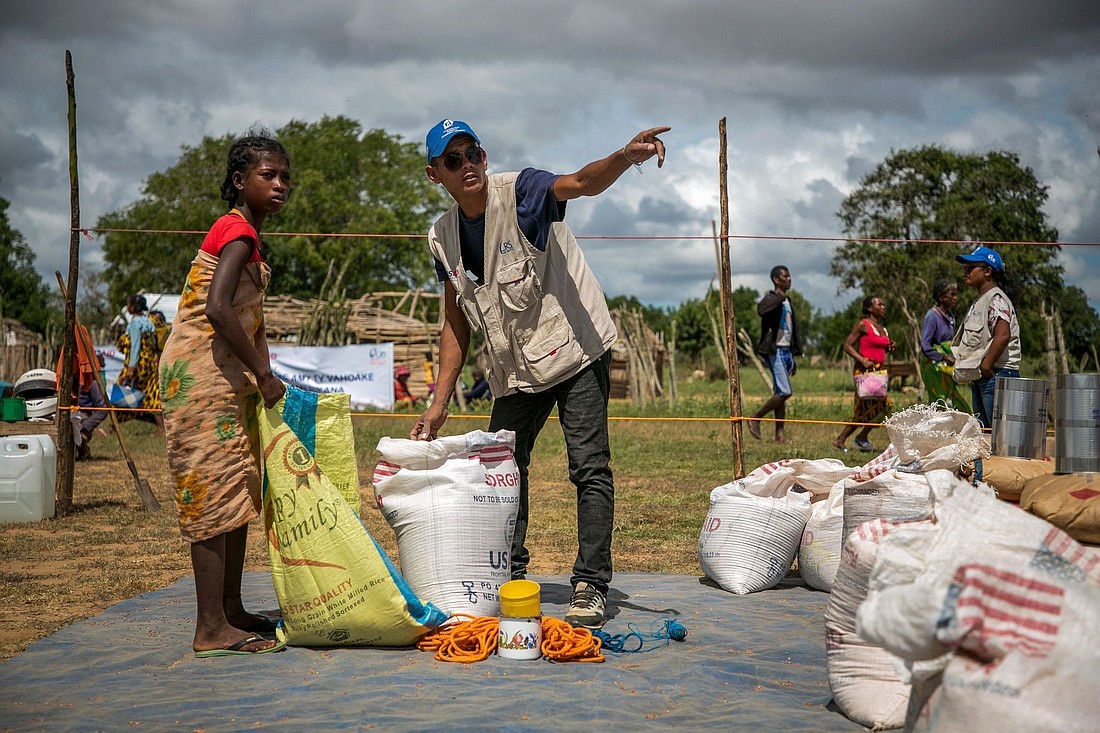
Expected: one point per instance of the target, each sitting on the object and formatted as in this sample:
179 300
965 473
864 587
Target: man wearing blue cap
987 344
512 270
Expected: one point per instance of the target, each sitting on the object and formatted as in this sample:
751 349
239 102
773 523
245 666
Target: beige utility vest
543 314
974 337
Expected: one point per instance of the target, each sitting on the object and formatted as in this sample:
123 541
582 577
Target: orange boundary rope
407 415
467 639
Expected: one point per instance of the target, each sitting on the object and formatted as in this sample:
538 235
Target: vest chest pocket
520 287
552 352
970 350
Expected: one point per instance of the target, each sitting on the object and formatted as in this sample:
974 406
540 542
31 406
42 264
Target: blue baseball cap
983 256
441 134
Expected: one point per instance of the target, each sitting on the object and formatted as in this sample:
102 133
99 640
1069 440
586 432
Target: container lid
520 599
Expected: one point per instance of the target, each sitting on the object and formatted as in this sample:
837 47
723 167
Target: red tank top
873 346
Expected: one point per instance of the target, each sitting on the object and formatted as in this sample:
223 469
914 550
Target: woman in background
140 351
938 366
867 343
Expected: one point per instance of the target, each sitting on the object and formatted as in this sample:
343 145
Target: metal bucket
1020 417
1077 423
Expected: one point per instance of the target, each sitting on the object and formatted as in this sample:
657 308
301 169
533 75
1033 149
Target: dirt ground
107 549
110 548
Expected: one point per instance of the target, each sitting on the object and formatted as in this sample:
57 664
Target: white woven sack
452 504
931 437
822 541
751 533
863 677
1012 596
816 475
893 494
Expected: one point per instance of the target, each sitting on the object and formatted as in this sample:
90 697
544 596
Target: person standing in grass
141 357
215 370
511 269
987 345
938 365
778 345
867 344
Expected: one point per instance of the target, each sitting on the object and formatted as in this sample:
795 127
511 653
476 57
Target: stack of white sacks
948 609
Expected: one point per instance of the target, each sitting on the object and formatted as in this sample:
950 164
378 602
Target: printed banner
364 371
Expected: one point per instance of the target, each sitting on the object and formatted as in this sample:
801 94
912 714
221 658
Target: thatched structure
409 320
637 359
21 350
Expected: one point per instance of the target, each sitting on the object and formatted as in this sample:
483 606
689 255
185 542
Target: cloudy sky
815 93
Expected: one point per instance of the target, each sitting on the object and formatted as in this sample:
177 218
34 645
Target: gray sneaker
586 607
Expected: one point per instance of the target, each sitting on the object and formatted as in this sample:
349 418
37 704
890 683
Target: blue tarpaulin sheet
752 662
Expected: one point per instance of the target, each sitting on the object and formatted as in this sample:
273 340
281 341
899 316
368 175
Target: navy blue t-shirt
536 209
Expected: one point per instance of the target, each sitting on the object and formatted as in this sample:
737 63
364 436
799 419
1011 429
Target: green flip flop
238 649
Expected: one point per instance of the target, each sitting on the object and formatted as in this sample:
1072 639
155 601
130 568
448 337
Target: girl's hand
127 376
271 389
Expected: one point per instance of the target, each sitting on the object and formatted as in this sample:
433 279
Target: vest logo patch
505 247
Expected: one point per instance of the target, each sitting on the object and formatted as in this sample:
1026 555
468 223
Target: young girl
873 342
214 371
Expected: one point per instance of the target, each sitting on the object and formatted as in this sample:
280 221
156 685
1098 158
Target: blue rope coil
634 641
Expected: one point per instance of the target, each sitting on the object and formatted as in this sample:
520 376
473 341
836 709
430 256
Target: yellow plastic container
520 631
520 599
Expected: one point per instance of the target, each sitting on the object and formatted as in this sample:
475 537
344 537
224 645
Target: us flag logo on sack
991 612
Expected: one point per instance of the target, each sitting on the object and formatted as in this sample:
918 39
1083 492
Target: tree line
347 179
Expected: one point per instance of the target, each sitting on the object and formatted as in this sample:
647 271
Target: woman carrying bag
938 365
867 343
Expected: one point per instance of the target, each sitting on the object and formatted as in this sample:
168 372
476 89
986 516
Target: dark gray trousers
582 410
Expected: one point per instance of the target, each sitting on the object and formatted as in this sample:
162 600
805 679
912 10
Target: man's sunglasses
453 161
968 267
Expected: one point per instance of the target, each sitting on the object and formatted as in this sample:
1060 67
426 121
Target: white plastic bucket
520 638
28 468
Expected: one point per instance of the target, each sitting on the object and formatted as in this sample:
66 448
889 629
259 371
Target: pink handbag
872 384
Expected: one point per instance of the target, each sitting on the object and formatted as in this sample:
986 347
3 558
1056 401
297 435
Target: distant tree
931 193
1080 323
94 308
344 181
693 326
695 332
24 296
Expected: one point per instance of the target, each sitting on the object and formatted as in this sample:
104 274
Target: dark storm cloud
817 94
21 156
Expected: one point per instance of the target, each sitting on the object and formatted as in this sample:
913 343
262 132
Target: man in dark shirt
778 345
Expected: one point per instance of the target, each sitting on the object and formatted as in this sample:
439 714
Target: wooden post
1048 321
725 278
673 390
1060 337
65 447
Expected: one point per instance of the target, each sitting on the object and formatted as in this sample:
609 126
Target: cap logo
447 124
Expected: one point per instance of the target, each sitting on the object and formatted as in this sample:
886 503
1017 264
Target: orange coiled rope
469 639
562 642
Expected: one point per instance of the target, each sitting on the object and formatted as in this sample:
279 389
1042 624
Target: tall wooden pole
725 278
65 446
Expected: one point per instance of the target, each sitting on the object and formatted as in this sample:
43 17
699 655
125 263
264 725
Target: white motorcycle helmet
38 388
